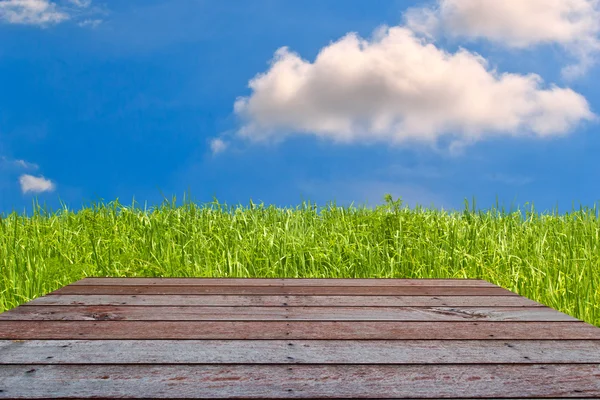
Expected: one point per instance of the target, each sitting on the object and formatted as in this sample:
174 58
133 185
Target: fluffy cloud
31 12
573 24
399 88
30 183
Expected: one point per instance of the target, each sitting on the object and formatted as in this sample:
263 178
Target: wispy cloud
26 165
399 88
20 164
572 24
30 183
217 145
513 180
92 23
81 3
31 12
43 13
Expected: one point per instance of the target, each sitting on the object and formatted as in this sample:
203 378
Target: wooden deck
294 338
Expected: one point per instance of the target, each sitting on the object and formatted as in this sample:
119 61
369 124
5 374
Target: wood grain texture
294 338
299 351
341 330
162 313
300 381
283 301
352 282
292 290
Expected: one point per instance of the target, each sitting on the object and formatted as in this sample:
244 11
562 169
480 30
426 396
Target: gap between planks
280 290
349 282
283 300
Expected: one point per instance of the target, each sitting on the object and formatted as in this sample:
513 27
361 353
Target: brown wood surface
294 338
299 351
284 301
292 290
352 282
161 313
342 330
304 381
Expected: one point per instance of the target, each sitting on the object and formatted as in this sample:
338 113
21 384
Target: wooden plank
295 330
298 352
370 282
285 301
306 381
162 313
294 290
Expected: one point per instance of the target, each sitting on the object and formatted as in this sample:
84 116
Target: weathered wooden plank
304 381
370 282
163 313
293 290
298 352
295 330
285 301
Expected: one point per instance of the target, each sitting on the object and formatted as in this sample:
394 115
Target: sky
279 102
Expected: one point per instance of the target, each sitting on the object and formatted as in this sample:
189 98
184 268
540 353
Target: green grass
552 259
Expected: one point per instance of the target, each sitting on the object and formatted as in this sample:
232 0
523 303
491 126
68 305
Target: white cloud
399 88
31 183
46 12
81 3
21 164
31 12
217 145
92 23
572 24
25 164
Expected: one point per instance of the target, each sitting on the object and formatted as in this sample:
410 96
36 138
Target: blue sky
102 100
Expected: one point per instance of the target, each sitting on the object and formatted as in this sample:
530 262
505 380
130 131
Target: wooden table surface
215 338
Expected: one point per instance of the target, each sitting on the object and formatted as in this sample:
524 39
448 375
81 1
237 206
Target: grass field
552 259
